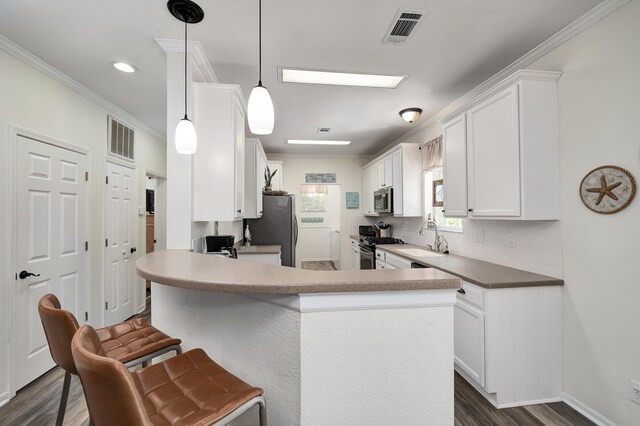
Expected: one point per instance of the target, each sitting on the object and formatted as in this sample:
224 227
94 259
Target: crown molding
41 66
594 15
170 45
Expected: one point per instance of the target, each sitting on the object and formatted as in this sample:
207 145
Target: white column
180 226
179 166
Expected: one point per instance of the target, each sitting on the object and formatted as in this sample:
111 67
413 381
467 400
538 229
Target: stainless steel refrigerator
278 225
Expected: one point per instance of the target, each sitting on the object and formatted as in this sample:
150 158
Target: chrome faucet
437 242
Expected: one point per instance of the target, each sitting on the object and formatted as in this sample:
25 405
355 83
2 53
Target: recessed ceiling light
124 67
315 142
341 78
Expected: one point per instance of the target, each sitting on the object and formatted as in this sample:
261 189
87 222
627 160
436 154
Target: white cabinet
396 262
469 341
384 168
388 171
268 258
511 141
218 165
455 167
508 341
402 170
407 181
355 255
494 156
369 186
255 163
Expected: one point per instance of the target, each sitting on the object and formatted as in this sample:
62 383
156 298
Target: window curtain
432 154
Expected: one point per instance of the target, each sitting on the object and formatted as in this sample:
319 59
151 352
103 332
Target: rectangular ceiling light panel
315 142
341 78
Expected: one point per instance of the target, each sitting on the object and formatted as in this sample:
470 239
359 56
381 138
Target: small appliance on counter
220 245
366 231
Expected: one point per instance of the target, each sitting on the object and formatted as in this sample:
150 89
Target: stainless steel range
368 249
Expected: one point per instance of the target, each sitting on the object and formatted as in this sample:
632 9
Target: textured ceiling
460 44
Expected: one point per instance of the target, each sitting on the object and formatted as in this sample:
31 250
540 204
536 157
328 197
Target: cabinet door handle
470 210
239 211
461 291
443 211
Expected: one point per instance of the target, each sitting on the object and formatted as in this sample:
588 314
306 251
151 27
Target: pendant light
260 108
190 13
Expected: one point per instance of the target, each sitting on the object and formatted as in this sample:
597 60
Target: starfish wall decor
607 189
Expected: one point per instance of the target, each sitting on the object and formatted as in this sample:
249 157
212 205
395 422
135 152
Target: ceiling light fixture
124 67
260 107
315 142
188 12
410 114
337 78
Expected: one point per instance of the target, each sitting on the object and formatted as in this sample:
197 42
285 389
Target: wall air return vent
120 140
403 25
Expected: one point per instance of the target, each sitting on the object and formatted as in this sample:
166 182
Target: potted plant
268 175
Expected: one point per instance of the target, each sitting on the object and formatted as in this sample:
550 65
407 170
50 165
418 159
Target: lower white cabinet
396 262
270 258
508 343
469 341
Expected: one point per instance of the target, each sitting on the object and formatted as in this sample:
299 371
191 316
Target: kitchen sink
418 252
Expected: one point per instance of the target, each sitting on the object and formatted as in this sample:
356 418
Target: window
444 223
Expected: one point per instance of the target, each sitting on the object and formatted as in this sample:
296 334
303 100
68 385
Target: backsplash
538 244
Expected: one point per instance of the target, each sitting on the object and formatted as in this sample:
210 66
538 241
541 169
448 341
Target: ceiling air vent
120 140
324 129
403 25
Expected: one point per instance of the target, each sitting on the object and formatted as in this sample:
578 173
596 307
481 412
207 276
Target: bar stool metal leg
263 412
63 398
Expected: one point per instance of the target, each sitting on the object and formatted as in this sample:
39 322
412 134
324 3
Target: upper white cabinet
384 169
218 165
455 167
369 186
255 165
511 161
400 169
407 181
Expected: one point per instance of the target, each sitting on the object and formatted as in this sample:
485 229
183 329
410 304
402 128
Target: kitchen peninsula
338 347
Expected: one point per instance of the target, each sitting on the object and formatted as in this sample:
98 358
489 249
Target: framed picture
438 196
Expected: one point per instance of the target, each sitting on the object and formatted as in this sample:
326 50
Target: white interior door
51 219
120 220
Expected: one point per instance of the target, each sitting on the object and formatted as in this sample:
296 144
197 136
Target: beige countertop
260 249
484 274
185 269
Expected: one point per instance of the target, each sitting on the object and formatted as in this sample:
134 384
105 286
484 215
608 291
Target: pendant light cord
185 67
260 43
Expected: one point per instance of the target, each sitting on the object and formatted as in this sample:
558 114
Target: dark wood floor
37 404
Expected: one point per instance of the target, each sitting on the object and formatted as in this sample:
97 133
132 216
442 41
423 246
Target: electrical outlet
478 236
634 391
513 241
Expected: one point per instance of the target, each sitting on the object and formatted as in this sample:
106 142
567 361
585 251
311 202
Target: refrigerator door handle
295 241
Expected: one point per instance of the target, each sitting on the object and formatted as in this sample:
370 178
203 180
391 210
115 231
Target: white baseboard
4 398
592 415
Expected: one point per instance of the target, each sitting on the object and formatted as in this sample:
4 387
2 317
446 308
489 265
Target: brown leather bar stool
188 389
131 342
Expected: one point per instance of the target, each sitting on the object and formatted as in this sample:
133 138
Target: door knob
133 250
24 274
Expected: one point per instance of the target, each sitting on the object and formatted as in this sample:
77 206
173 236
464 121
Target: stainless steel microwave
383 200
